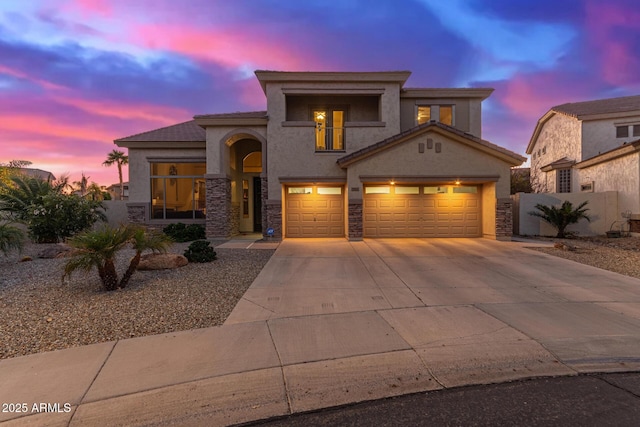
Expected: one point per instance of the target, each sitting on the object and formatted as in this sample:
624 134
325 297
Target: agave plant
563 216
98 249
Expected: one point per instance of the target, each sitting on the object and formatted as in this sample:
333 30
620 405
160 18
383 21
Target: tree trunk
109 276
133 265
121 182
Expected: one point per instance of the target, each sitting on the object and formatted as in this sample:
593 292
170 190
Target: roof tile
599 106
182 132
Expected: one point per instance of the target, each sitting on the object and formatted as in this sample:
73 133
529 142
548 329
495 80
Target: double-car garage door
422 211
388 211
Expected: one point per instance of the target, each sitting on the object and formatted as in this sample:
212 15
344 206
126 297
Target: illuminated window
407 190
300 190
428 112
329 129
462 189
424 114
435 190
383 189
178 191
329 190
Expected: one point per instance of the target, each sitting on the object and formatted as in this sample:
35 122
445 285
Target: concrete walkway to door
330 322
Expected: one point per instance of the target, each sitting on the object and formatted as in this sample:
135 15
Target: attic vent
587 187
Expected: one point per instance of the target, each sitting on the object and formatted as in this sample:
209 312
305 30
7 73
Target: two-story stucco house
589 146
336 154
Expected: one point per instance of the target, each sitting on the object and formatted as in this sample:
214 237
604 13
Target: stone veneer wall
634 225
219 211
504 219
137 213
235 219
274 217
355 220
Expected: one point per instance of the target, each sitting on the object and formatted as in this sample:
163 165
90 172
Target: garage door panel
314 215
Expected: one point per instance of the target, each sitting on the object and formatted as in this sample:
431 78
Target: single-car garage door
422 211
314 211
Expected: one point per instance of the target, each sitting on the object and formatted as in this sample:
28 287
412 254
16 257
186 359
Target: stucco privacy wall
621 174
603 210
560 137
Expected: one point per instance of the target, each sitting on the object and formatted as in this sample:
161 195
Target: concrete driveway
471 308
331 322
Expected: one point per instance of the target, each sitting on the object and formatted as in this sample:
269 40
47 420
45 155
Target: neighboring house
38 173
114 190
591 146
336 154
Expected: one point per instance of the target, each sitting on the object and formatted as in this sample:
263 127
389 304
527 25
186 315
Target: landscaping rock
161 261
55 251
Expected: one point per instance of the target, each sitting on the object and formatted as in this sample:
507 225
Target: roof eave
538 129
629 148
268 76
231 121
160 144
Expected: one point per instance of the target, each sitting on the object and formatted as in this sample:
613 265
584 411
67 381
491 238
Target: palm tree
118 158
94 192
23 191
563 216
98 249
82 185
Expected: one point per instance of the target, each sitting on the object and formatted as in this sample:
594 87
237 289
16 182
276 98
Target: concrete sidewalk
330 322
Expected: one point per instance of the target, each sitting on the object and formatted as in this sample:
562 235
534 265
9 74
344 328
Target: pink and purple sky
77 74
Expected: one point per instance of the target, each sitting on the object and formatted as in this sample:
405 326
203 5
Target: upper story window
329 129
622 131
441 113
636 130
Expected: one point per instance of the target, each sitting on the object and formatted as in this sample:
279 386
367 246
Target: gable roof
497 151
187 132
599 106
609 108
623 150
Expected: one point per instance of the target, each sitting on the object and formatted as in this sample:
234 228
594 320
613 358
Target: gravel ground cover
39 312
621 255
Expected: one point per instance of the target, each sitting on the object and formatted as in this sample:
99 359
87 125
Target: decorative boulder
161 261
55 251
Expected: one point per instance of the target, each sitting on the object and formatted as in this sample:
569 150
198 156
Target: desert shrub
180 232
200 251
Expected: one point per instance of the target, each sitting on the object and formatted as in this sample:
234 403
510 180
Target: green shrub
49 213
180 232
200 251
11 238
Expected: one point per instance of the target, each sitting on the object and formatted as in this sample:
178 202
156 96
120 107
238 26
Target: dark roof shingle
182 132
599 106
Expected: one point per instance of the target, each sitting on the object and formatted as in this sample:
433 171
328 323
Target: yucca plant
563 216
98 249
11 238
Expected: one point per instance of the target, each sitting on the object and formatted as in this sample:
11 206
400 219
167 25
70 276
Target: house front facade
336 154
591 146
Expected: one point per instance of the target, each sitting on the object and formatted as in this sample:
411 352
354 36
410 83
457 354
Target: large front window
178 191
329 129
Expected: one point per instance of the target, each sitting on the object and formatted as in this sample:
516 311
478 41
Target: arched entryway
245 167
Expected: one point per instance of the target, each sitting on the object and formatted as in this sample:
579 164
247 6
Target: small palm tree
118 158
11 238
98 249
563 216
22 191
82 185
